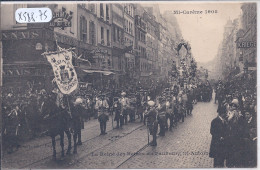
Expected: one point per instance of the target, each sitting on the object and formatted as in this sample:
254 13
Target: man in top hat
125 104
152 122
102 106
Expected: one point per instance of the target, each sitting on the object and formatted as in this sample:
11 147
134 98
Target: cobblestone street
186 147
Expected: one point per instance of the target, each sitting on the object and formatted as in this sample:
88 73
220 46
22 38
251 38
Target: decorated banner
64 72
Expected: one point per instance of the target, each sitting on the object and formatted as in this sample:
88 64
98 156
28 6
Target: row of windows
103 36
117 34
102 11
141 51
145 66
129 9
128 27
84 31
140 36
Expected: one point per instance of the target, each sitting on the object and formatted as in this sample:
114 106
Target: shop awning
99 71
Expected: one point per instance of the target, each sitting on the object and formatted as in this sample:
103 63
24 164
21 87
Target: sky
203 31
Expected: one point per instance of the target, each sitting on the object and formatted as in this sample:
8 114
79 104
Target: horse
56 121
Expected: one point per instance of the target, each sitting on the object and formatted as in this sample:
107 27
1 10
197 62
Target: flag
63 69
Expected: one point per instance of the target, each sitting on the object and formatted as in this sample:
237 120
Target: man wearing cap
124 101
152 122
102 106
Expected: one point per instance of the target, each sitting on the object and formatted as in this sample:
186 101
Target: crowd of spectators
234 140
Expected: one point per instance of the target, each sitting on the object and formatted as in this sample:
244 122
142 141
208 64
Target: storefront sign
20 35
61 19
23 72
246 44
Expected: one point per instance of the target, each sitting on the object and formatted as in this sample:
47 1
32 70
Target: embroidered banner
64 72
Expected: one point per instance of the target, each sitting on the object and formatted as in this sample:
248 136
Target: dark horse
57 122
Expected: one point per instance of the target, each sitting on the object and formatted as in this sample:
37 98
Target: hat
78 101
235 101
151 103
123 94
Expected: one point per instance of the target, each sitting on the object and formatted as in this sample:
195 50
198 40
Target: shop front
99 71
23 65
23 62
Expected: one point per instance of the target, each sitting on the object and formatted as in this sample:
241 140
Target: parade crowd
23 115
161 108
234 131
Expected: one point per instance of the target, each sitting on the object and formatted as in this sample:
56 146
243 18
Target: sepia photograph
128 85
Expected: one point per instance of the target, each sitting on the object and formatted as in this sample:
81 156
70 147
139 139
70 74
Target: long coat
77 113
217 130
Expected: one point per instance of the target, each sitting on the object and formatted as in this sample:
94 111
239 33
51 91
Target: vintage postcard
140 85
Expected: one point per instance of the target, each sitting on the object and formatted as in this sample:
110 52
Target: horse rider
102 108
152 122
125 104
